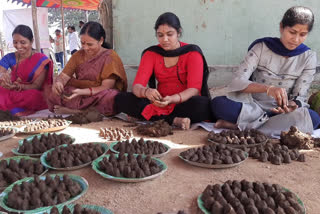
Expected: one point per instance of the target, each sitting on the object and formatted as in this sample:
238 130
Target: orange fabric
107 65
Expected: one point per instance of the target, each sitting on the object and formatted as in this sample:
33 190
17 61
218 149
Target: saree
91 73
22 103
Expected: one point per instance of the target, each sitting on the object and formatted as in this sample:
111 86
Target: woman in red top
181 72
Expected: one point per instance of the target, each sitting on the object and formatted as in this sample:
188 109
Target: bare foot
64 110
182 122
222 124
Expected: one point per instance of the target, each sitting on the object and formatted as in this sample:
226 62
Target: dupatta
274 44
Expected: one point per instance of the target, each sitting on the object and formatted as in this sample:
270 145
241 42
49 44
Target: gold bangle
269 89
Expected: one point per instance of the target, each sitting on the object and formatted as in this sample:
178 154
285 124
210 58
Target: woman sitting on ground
91 78
181 72
21 90
271 85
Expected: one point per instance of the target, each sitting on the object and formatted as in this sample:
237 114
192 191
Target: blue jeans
59 58
225 109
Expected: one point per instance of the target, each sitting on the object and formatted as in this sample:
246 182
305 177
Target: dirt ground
179 187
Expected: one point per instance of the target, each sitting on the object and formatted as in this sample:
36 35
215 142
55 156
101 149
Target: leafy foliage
71 17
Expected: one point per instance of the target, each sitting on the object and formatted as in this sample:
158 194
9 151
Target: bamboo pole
106 19
35 24
1 46
63 34
87 16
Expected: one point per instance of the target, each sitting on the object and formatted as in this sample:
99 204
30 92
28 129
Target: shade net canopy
69 4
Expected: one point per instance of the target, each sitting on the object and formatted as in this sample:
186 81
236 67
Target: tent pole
87 16
63 34
1 46
106 19
35 24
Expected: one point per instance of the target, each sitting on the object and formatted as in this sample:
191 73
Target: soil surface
178 188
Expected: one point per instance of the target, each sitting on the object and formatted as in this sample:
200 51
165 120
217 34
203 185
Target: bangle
180 98
90 91
269 89
145 92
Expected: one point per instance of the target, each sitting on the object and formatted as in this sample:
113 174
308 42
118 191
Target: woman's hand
76 92
8 85
152 94
286 109
17 86
5 85
5 80
57 88
279 94
5 77
290 107
164 102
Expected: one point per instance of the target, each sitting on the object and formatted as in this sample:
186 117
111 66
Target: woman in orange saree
91 78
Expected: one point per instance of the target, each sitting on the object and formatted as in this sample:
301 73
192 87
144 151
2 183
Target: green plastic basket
18 158
46 164
29 139
239 146
95 167
4 195
155 156
205 211
99 209
15 130
39 131
213 166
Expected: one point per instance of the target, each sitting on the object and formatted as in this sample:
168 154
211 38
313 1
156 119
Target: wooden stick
35 24
106 19
63 34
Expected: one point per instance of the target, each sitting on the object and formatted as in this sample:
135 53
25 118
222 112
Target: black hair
58 31
72 28
81 22
298 15
170 19
96 31
24 31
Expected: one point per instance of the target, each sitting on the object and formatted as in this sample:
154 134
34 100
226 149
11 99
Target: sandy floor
178 188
